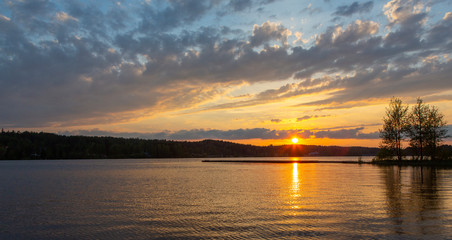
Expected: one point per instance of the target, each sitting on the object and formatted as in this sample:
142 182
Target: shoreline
282 161
407 163
414 163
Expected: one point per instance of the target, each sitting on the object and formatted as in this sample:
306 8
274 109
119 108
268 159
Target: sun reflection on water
295 189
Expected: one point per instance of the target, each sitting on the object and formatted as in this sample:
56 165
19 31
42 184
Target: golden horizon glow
249 86
312 141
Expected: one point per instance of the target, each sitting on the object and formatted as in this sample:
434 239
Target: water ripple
191 200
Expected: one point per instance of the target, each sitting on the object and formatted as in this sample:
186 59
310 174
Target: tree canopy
32 145
394 127
423 127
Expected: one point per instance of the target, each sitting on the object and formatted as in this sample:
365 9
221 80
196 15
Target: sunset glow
254 72
294 140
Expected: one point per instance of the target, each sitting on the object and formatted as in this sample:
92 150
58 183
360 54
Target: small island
423 128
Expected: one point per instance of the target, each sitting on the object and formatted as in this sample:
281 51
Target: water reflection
295 188
295 181
413 199
188 199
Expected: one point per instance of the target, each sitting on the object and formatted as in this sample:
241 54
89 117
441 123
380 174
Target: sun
294 140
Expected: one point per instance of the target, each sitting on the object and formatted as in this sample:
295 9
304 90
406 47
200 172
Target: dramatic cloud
77 63
403 10
371 66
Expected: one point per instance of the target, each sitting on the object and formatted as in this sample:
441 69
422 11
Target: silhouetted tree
417 130
394 128
436 131
426 129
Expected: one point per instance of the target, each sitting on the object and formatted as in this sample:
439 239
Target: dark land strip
413 163
275 161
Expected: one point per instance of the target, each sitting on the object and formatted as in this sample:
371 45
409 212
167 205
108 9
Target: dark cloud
240 5
405 62
347 134
79 63
196 134
32 15
275 120
235 134
355 7
441 34
306 117
158 17
267 32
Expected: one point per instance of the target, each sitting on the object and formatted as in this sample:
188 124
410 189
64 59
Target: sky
249 71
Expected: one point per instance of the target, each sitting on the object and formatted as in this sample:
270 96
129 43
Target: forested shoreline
16 145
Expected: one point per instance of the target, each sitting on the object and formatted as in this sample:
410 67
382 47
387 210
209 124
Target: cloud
62 16
195 134
355 7
447 16
402 10
79 63
178 13
337 36
440 34
233 6
234 134
372 66
269 31
240 5
306 117
354 133
275 120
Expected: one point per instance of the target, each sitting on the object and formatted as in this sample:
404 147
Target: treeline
422 127
32 145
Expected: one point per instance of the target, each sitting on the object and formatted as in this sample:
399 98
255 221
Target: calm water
185 198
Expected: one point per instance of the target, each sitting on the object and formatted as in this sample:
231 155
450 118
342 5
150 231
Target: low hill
32 145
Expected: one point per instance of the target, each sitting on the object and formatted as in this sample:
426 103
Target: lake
189 199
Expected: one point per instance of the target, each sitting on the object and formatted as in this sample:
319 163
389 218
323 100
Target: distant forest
16 145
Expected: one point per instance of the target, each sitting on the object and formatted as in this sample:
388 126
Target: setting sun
294 140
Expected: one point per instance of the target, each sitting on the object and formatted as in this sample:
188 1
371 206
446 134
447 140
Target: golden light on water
295 189
295 179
